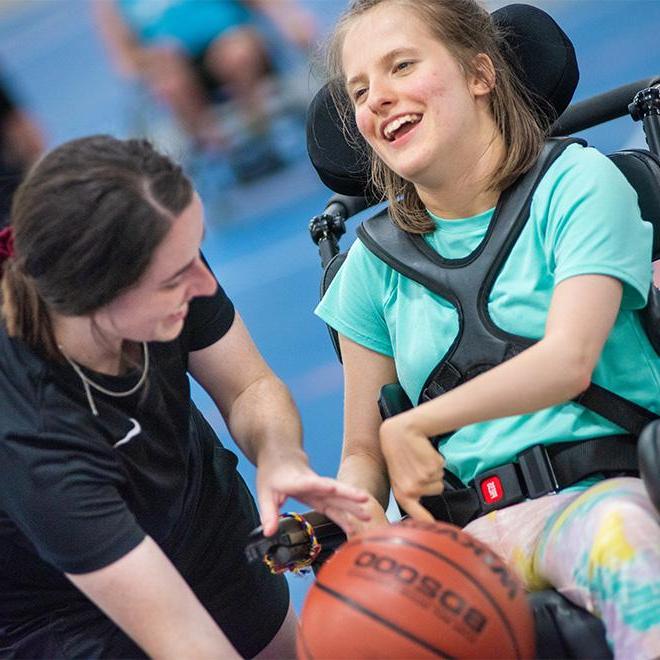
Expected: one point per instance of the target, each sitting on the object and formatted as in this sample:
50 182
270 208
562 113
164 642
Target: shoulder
584 172
209 319
584 186
588 219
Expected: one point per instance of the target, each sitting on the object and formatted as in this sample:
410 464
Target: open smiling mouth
398 127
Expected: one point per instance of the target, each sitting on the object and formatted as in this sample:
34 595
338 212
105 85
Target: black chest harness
480 345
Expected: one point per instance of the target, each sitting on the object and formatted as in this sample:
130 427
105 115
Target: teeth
397 123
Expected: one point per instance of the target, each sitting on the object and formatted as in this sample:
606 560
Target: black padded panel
564 630
642 169
539 50
648 451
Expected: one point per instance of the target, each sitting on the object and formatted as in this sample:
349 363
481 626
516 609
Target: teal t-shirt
584 219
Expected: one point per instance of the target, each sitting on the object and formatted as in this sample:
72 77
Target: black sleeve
209 318
63 494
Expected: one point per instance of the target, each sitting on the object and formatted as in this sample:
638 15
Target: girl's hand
415 467
280 477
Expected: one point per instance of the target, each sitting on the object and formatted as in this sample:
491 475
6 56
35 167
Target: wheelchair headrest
541 54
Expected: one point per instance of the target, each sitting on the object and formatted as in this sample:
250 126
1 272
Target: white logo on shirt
136 430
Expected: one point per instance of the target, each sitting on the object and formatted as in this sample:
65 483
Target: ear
482 79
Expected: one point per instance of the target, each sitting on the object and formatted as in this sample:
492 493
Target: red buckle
491 489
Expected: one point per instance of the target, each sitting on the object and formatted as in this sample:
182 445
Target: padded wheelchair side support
642 170
566 631
648 452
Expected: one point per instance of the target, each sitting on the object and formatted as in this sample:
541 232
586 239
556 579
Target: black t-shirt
79 491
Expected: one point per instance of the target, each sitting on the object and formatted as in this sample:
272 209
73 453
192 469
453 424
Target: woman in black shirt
122 518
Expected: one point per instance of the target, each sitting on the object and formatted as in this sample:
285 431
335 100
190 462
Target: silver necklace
88 383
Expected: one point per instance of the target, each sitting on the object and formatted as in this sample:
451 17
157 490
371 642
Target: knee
621 522
168 74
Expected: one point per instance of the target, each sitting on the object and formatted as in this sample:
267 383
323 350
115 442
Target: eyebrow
385 59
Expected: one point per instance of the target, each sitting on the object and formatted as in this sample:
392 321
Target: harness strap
623 412
538 471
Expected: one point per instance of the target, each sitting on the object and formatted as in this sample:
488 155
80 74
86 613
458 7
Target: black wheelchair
545 61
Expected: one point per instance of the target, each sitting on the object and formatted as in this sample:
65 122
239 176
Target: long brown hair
86 221
466 30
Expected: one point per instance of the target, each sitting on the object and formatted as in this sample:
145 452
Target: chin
168 331
409 169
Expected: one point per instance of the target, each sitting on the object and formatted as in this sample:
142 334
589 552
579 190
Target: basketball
415 590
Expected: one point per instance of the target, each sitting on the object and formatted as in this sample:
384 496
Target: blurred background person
21 142
191 54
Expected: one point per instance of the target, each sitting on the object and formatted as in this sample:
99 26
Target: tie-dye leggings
599 547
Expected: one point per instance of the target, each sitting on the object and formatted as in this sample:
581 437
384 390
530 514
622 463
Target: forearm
542 376
366 470
263 420
145 595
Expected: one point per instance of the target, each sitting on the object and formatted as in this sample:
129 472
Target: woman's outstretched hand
414 466
280 477
377 518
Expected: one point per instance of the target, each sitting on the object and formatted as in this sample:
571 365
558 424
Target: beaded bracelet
298 566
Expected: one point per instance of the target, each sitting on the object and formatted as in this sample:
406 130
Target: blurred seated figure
21 142
189 51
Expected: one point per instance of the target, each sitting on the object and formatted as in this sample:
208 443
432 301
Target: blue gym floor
257 240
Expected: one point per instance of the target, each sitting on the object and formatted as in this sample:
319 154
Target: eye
173 284
358 93
402 66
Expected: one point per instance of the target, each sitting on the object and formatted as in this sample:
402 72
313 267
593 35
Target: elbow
580 382
569 364
575 372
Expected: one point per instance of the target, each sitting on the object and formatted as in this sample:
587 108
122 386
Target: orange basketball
415 590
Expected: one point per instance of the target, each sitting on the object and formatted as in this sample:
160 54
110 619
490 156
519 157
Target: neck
82 341
462 189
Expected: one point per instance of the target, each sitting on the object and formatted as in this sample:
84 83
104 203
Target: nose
381 95
203 283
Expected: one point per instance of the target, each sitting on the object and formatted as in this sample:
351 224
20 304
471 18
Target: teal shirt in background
584 219
191 24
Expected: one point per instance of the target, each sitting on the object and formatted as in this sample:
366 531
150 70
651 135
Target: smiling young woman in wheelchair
524 319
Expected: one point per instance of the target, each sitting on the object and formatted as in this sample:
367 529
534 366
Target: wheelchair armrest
292 542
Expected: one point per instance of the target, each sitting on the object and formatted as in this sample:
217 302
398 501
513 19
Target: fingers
415 510
351 525
316 485
269 512
349 492
347 522
359 510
